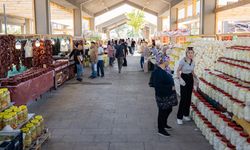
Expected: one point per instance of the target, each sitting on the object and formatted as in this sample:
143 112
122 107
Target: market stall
43 70
220 107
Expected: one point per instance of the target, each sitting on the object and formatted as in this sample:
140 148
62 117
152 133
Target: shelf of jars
16 118
217 127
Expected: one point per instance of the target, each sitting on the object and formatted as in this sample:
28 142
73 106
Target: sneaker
167 127
164 133
179 121
186 118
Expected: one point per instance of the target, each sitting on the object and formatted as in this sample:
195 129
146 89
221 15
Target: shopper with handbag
165 93
185 74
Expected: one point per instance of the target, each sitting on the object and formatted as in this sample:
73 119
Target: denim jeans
120 63
79 71
142 62
94 69
100 66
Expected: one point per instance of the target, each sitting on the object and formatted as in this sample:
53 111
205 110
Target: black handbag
167 102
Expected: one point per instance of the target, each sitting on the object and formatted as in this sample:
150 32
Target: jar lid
218 134
238 129
223 116
243 134
25 130
224 140
231 124
39 117
23 107
35 122
230 145
226 120
7 116
8 111
248 140
30 125
214 130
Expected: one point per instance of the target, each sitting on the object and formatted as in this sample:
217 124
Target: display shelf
30 116
37 144
3 109
243 123
235 60
209 128
232 77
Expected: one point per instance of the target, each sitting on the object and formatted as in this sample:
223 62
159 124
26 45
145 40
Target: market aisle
114 113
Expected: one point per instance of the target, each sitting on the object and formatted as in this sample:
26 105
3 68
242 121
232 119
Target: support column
92 24
42 16
173 18
77 22
1 29
159 24
22 29
27 26
208 17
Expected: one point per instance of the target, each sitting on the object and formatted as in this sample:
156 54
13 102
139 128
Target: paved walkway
117 112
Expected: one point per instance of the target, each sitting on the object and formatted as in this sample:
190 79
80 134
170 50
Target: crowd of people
161 78
116 50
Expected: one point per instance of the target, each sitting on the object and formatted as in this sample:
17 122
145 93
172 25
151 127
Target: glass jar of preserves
38 127
229 130
7 120
32 129
1 121
230 146
41 120
14 120
27 137
24 110
19 115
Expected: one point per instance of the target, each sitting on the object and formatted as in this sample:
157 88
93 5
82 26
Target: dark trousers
111 60
100 66
186 95
142 62
163 118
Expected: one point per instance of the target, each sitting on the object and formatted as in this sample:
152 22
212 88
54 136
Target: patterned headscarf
161 58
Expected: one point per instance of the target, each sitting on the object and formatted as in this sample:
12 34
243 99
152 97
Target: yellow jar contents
19 115
14 120
40 119
24 112
1 121
38 126
7 120
27 137
32 129
8 111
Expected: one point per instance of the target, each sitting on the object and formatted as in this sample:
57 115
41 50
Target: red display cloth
30 90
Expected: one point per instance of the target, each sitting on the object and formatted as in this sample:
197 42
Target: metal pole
5 19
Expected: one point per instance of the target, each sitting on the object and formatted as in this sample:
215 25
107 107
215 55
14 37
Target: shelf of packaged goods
238 84
208 97
233 78
30 116
234 60
240 48
206 121
3 109
213 102
243 123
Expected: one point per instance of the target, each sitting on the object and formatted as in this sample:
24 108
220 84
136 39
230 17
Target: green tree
136 20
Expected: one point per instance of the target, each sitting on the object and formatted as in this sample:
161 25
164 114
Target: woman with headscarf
165 94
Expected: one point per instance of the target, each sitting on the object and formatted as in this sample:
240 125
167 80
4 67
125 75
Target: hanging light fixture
37 44
67 42
63 42
18 45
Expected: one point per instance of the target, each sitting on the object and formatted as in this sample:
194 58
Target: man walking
120 49
93 59
100 63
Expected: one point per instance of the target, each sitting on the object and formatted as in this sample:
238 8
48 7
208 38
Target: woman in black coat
163 83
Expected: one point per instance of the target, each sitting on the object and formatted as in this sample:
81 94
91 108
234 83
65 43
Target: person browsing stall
185 73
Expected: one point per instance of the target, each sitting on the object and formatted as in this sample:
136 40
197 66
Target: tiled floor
117 112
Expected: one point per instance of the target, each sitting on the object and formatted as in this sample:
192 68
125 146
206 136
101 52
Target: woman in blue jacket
163 83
